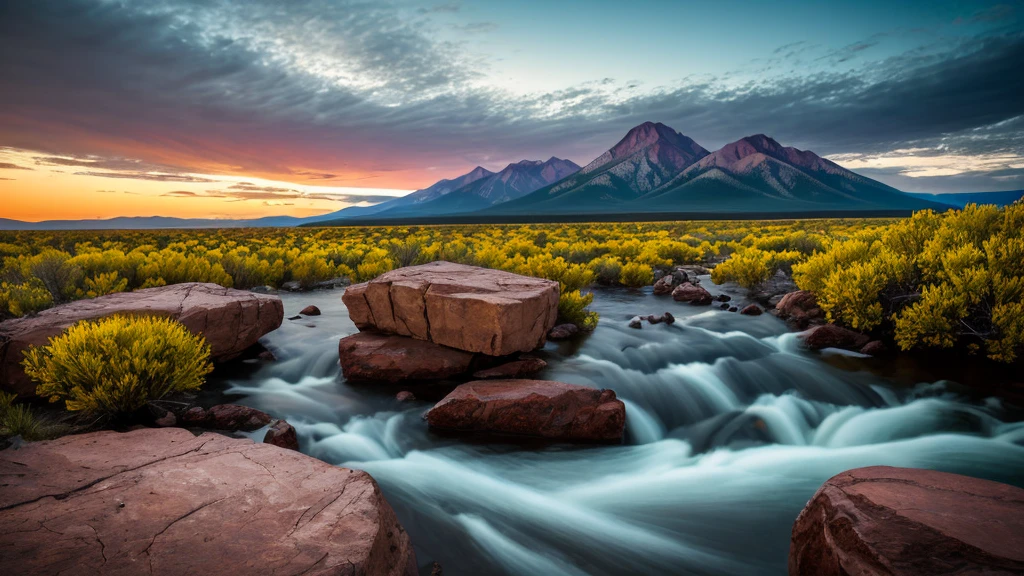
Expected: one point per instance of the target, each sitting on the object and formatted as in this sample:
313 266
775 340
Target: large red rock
801 308
832 336
692 293
464 307
899 521
162 501
230 320
543 408
391 358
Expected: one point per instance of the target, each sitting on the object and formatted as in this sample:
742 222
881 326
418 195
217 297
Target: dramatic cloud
147 176
354 91
10 166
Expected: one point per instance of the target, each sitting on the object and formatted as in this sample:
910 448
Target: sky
248 108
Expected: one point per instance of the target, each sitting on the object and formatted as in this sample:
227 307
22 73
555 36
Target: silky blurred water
731 428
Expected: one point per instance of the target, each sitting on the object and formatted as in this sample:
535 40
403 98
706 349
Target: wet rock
695 295
515 369
267 356
262 289
405 396
338 282
391 358
679 276
733 309
291 286
162 501
230 320
232 417
874 348
541 408
899 521
664 285
666 317
296 317
723 297
463 307
167 420
832 336
310 311
725 306
777 285
563 332
282 434
751 310
636 322
694 270
800 308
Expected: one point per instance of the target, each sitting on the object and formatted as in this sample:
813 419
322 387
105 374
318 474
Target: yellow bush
118 364
636 275
572 308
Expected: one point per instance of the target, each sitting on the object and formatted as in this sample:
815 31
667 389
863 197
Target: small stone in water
405 396
635 322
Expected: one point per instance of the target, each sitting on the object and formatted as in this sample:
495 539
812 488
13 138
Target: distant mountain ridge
512 182
653 169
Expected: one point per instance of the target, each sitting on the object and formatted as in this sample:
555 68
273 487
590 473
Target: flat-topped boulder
541 408
230 320
900 521
463 307
162 501
391 358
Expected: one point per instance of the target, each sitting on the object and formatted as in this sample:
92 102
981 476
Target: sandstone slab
899 521
463 307
541 408
230 320
392 358
162 501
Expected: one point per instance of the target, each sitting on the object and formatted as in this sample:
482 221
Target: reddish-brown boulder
832 336
230 320
874 348
310 311
391 358
282 434
463 307
547 409
693 294
405 396
800 308
162 501
563 332
899 521
751 310
664 285
226 417
515 369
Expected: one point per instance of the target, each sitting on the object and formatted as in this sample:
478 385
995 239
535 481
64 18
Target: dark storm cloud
212 80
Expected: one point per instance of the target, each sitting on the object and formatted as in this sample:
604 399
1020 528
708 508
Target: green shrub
636 275
24 298
572 308
118 364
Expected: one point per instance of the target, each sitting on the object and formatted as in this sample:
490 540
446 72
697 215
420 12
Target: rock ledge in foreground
900 521
372 356
541 408
230 320
463 307
163 501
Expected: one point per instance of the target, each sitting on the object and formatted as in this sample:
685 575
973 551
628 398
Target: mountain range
653 169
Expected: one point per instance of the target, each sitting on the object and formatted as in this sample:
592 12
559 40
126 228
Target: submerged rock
667 318
541 408
751 310
391 358
230 320
515 369
563 332
162 501
883 520
693 294
832 336
463 307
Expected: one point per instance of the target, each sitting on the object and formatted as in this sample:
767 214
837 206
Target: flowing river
731 428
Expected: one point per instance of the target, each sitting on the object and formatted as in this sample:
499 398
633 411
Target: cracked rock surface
230 320
463 307
165 501
901 521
